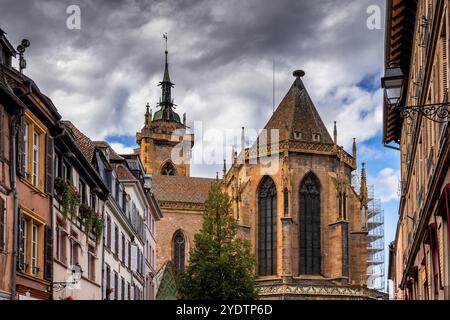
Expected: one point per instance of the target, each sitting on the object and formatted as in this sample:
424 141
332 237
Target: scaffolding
375 244
376 278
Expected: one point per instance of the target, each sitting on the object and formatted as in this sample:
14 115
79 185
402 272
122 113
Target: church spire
166 102
166 84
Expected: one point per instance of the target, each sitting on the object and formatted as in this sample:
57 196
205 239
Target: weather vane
166 38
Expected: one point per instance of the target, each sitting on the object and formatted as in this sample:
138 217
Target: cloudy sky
221 58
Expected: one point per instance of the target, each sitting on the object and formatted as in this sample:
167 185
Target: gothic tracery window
168 169
179 251
310 229
267 227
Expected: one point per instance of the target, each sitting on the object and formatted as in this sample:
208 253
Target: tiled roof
86 145
122 171
181 189
297 113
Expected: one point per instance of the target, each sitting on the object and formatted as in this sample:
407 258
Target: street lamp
77 273
393 84
21 48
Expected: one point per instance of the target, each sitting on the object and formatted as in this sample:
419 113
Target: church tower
164 145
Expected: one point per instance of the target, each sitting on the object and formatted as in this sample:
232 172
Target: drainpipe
13 134
103 254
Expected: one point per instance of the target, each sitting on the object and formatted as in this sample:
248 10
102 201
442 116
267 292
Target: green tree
221 266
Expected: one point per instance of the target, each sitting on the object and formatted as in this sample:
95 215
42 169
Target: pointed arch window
267 227
310 226
179 251
168 169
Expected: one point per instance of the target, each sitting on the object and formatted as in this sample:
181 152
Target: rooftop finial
224 169
335 133
166 38
298 73
148 114
166 77
363 186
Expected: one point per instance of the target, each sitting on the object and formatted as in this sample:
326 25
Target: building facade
78 206
77 221
10 109
128 241
152 215
417 39
31 221
291 195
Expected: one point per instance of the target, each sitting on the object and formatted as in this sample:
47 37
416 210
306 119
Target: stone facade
304 149
158 139
343 235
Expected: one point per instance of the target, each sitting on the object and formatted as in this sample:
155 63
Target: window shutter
125 260
48 260
119 254
134 254
113 239
129 255
116 239
21 248
108 228
21 149
2 223
49 165
105 231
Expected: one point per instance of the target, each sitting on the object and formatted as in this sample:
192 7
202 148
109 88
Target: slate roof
297 113
181 189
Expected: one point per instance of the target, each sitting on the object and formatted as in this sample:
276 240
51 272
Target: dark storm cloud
220 58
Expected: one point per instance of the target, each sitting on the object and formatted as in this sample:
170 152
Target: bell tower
164 144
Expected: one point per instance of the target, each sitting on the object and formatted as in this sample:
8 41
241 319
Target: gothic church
307 224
